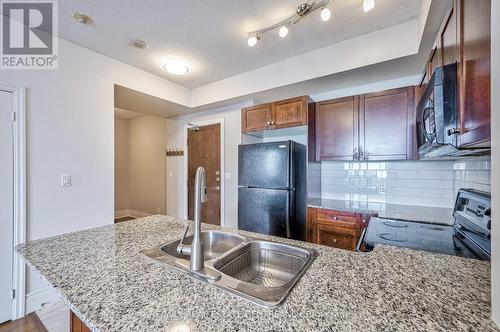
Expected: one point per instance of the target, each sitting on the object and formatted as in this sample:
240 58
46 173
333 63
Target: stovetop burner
394 223
394 237
414 235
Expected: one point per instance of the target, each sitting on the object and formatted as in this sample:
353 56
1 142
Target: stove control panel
473 210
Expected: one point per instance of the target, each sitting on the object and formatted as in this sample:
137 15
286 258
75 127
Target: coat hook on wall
174 152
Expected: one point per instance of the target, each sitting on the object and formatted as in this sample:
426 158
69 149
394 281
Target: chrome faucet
195 250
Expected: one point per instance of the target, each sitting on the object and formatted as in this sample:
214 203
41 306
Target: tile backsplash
424 183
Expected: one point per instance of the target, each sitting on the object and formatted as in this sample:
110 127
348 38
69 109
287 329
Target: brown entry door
204 151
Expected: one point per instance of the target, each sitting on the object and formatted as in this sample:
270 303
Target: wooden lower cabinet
76 325
328 234
337 229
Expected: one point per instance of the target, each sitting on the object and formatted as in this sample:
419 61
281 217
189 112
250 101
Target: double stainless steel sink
263 272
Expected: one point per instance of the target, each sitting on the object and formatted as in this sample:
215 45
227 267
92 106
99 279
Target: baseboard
131 213
37 299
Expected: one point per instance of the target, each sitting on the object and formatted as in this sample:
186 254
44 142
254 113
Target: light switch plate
65 180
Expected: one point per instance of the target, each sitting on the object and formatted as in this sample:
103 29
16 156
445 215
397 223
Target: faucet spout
200 196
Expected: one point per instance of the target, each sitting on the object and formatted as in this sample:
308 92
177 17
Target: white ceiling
211 35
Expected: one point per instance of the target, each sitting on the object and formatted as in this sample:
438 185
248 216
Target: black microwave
437 115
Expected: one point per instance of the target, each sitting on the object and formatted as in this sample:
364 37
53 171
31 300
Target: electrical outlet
383 188
65 180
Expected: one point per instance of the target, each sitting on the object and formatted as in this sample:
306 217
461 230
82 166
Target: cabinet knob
268 123
453 131
272 122
355 156
334 241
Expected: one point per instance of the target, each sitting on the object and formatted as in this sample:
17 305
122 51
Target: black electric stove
468 237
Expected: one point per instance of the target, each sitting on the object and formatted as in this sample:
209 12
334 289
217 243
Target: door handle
217 188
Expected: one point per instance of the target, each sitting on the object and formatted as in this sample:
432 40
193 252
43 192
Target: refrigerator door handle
288 215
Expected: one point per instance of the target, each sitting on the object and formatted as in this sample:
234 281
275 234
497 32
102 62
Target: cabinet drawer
338 219
338 237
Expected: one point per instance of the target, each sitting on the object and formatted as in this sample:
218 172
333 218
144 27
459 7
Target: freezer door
264 165
265 211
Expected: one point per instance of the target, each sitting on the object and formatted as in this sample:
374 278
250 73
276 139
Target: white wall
176 203
70 115
147 164
121 164
495 113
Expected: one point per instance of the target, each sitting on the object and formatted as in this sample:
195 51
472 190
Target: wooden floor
29 323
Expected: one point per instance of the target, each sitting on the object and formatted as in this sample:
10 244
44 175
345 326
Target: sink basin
265 264
263 272
214 244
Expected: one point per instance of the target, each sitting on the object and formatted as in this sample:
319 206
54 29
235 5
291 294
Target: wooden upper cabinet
474 72
448 39
256 118
290 113
375 126
465 39
280 114
433 61
387 125
337 129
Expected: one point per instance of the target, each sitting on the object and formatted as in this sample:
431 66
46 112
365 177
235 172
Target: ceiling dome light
176 67
368 5
283 31
325 14
252 41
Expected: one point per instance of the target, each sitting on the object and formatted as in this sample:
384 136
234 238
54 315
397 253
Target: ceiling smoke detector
138 43
82 18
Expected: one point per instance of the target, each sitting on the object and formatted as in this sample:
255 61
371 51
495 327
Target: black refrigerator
272 188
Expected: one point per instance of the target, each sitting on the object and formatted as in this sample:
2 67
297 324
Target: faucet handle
184 234
182 249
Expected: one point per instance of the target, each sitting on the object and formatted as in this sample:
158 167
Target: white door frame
18 278
222 168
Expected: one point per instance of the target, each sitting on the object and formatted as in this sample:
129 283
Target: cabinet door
310 227
256 118
433 61
290 113
448 41
337 129
387 126
474 71
338 237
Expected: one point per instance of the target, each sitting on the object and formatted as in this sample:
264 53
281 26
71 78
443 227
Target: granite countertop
104 279
389 211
